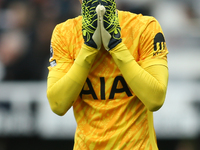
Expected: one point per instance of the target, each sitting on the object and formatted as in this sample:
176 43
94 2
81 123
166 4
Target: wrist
86 56
121 55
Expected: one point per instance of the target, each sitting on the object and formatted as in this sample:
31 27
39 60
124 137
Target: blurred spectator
25 32
14 41
13 46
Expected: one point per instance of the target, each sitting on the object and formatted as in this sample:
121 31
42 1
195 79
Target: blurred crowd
25 32
26 27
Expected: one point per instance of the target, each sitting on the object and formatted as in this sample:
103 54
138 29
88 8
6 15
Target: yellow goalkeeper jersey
109 115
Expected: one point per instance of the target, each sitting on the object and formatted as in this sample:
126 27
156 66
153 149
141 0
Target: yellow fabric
62 97
108 112
150 85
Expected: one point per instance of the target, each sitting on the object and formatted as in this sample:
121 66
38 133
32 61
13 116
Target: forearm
63 91
148 85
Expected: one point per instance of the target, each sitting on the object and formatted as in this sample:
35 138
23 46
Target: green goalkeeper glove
110 28
90 24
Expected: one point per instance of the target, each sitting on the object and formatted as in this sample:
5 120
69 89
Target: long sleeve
67 72
63 91
149 84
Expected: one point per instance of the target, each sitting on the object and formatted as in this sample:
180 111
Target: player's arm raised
64 87
149 80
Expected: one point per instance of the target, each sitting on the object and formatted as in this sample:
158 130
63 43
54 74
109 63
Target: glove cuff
86 56
121 55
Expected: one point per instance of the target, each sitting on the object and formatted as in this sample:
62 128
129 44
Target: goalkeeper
111 66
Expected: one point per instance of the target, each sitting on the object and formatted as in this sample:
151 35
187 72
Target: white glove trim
97 33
